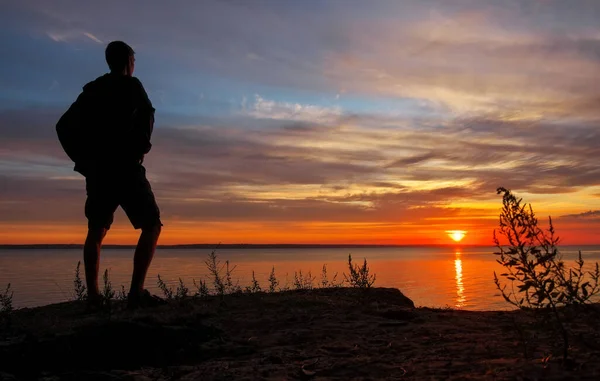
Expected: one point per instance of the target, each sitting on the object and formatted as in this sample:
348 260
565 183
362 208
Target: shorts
130 190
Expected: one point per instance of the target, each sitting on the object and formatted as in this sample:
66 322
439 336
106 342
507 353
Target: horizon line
216 246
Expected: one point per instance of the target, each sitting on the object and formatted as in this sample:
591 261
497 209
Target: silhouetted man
106 132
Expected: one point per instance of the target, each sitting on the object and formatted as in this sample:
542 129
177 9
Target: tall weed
359 276
534 266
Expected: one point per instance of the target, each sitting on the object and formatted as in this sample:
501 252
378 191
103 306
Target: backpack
71 133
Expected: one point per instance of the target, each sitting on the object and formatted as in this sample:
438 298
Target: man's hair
117 55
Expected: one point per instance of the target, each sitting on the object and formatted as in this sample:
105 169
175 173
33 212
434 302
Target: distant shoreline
222 246
216 246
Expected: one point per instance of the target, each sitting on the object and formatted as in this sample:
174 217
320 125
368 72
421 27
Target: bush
254 287
533 261
273 282
215 268
303 282
80 291
201 288
359 275
121 294
534 264
325 282
166 290
230 288
108 293
182 291
6 299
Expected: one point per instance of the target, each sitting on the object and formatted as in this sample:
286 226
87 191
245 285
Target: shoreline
318 334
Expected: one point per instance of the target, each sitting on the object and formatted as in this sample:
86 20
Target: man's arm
143 120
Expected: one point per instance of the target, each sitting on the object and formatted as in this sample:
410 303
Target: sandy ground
323 334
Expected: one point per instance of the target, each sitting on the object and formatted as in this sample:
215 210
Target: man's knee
154 229
96 234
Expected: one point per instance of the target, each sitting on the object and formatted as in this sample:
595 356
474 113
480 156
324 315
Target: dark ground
322 334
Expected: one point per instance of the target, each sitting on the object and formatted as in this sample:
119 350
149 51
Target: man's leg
100 207
91 260
144 252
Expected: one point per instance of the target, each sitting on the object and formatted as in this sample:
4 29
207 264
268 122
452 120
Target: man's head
120 58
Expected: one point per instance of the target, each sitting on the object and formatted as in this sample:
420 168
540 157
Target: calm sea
430 276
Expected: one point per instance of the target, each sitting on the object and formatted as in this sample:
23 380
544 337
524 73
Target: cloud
270 109
442 102
66 36
589 215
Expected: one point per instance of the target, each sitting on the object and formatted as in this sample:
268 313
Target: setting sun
456 235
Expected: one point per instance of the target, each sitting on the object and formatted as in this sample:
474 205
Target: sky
379 122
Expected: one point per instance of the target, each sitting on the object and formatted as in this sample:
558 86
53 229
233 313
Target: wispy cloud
591 214
65 36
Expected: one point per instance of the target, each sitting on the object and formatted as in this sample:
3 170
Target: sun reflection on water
460 288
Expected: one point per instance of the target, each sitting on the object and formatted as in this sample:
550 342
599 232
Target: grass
221 277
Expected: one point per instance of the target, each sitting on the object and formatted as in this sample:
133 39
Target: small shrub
359 275
326 283
6 299
533 261
534 264
121 294
273 282
80 291
107 292
254 287
303 282
166 290
182 291
230 288
201 288
215 269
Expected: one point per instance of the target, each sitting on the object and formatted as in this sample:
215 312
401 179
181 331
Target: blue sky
315 121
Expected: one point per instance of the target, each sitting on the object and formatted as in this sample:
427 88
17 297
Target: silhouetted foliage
166 290
273 282
533 261
325 282
107 291
254 286
182 291
215 268
80 291
201 288
359 275
535 266
303 282
6 299
121 294
230 287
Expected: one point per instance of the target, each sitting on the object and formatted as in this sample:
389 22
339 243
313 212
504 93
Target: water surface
430 276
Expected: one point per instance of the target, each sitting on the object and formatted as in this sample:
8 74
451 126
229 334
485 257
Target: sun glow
456 235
